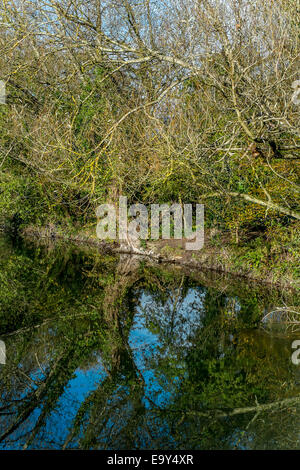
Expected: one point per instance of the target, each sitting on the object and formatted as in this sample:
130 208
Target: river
117 352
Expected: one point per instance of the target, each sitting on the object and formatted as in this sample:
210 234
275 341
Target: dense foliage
160 101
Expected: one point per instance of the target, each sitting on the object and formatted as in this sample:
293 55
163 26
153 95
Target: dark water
110 353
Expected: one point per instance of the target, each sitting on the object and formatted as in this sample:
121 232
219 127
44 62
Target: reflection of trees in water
122 377
220 374
117 403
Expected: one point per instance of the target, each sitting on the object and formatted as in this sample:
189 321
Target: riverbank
256 259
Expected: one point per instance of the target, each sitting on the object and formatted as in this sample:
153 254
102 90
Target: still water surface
106 352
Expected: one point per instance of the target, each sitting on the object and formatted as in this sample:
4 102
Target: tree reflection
176 362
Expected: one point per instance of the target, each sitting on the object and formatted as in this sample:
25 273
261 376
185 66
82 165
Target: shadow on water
107 352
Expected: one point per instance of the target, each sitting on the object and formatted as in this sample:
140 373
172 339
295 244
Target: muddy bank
225 259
